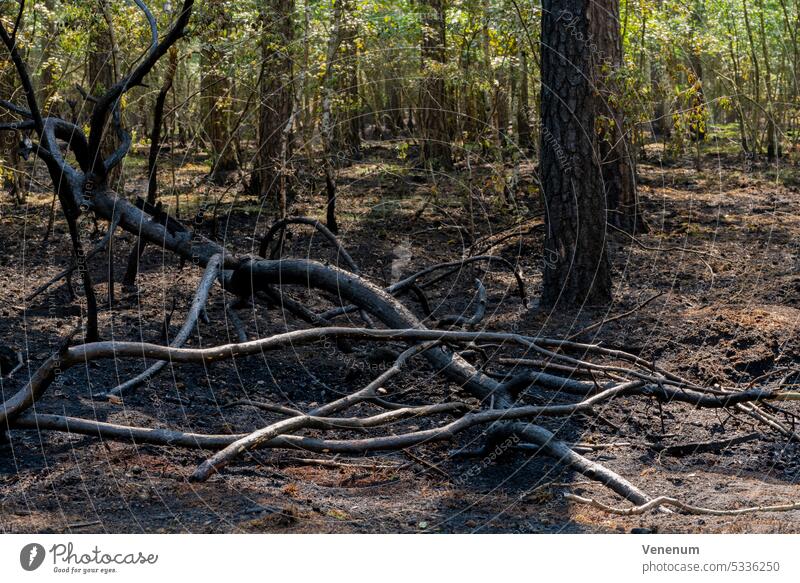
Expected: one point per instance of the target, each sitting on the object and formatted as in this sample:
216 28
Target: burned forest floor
720 263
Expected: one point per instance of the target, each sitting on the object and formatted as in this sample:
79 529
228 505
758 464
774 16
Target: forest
378 266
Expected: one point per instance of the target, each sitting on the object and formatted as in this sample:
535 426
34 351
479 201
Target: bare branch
109 99
475 319
655 503
198 304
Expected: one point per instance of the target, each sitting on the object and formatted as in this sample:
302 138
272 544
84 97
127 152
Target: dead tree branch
198 304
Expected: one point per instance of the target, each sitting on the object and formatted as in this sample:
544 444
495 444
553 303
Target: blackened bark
576 266
158 122
433 118
216 97
614 147
276 94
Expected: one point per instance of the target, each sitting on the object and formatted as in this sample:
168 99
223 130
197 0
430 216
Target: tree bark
276 94
216 98
433 119
576 266
614 147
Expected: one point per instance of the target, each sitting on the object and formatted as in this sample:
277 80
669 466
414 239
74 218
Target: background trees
277 97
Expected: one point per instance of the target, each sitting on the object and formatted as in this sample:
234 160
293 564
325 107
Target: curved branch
151 20
560 451
109 99
475 319
282 224
84 353
409 282
198 303
691 509
254 439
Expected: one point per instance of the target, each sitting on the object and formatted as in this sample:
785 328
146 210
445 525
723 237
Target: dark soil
727 316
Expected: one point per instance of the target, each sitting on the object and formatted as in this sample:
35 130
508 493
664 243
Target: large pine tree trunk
432 116
276 94
614 147
576 266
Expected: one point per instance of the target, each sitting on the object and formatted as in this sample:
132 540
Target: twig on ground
614 318
198 303
655 503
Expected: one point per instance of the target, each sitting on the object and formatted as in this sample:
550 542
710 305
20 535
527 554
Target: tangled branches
492 396
634 378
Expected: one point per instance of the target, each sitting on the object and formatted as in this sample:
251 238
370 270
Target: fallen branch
705 446
409 282
198 304
475 319
655 503
236 322
251 441
84 353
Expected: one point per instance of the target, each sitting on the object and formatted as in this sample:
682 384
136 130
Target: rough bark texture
614 148
10 162
346 105
433 119
276 91
216 100
102 73
576 266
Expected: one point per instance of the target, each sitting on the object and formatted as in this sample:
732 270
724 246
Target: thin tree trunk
326 123
773 145
614 147
433 119
524 134
276 96
152 162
